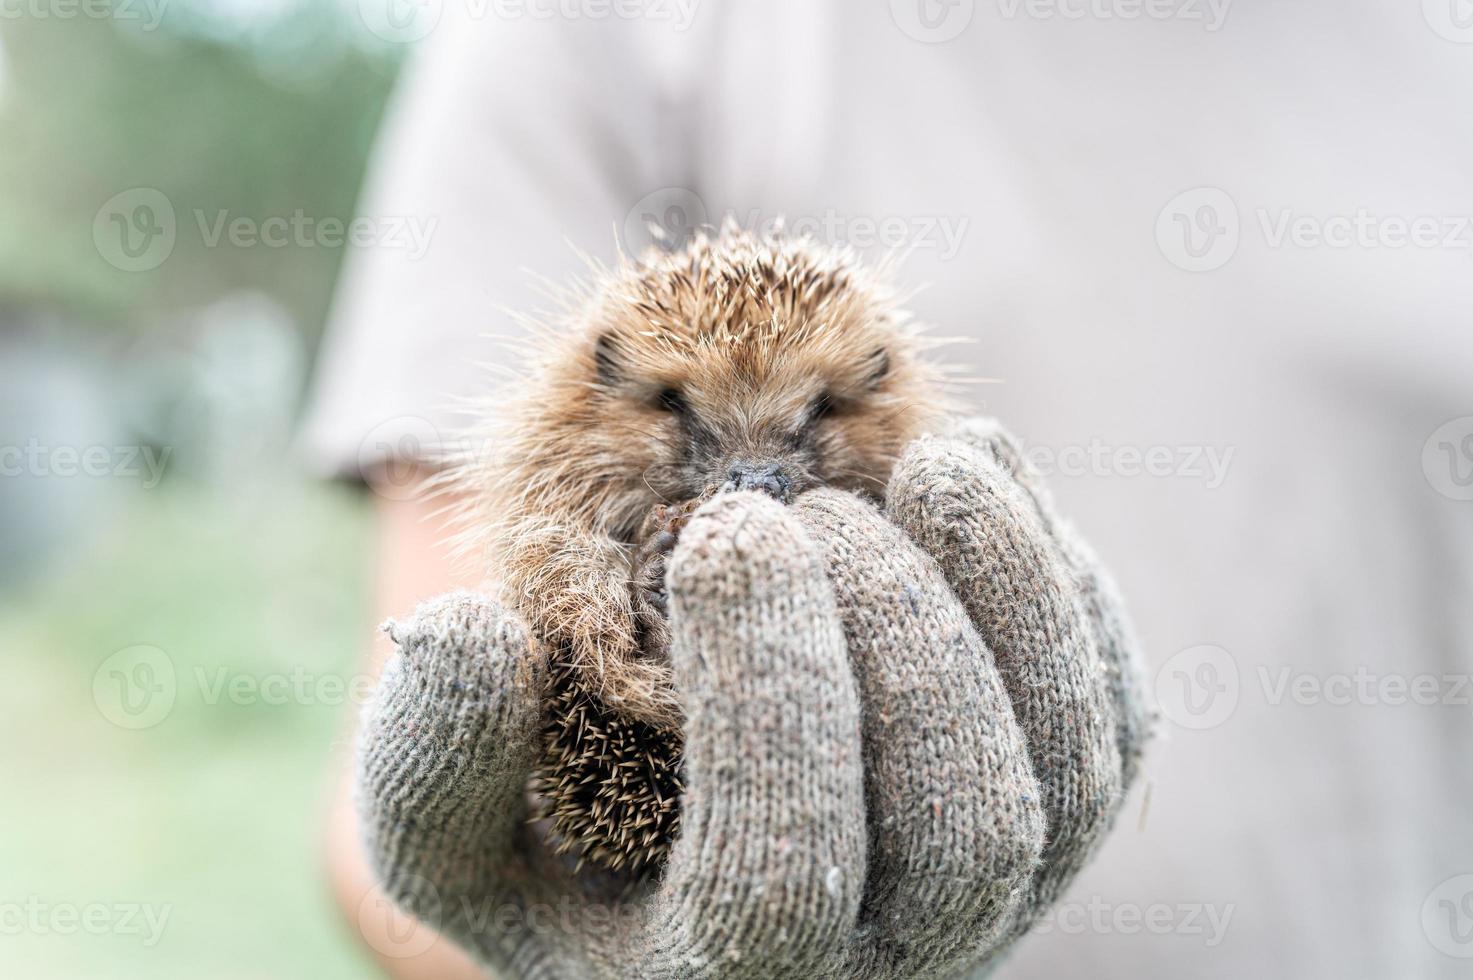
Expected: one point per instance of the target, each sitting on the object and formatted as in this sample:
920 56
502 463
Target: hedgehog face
737 363
760 411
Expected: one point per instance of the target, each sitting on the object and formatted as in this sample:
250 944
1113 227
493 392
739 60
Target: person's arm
411 564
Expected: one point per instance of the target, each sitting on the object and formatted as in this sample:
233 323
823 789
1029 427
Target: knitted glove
904 735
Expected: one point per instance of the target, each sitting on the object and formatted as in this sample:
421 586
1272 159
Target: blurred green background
209 556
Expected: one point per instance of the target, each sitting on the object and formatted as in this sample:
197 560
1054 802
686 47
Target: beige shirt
1218 259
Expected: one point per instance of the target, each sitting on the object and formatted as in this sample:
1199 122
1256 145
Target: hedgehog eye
879 367
606 360
672 401
821 408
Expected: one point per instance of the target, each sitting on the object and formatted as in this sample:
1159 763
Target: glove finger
1104 608
444 753
765 877
954 814
985 533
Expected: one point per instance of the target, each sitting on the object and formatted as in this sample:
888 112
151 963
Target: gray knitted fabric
905 733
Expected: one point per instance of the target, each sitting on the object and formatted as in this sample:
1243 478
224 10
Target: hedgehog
610 786
739 361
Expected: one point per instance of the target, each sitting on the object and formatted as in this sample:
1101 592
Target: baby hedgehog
740 361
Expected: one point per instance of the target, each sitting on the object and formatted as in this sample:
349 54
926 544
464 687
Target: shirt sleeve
513 147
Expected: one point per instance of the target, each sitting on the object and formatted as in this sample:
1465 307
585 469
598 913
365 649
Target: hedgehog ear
606 360
879 367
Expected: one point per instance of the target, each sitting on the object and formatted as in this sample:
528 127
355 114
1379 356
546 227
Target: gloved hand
904 735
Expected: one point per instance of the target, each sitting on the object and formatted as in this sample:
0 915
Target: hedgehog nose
767 478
